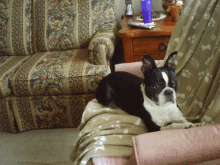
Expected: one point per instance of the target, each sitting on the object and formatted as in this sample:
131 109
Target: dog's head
160 83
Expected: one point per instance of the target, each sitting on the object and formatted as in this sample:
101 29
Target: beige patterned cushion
58 73
15 31
8 66
68 24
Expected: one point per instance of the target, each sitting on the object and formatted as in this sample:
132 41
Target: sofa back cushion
69 24
15 27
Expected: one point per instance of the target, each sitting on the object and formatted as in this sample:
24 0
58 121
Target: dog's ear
170 62
148 64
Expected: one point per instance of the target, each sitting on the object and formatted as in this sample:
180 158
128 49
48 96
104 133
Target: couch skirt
40 112
7 120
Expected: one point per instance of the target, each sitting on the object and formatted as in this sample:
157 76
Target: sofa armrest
102 44
177 146
133 67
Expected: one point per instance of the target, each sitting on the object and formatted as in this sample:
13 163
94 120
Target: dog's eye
174 85
156 86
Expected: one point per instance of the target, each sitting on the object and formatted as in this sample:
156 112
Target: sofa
32 100
52 56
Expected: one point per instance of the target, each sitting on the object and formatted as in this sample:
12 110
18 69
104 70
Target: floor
37 147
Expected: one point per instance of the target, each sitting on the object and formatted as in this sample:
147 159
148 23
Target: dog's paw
181 126
176 126
198 124
188 125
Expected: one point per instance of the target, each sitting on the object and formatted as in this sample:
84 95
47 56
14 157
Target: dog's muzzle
167 95
168 92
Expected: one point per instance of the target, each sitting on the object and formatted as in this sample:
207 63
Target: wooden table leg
128 49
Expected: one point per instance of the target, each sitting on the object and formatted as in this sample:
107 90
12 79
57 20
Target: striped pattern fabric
53 54
46 112
16 27
8 66
58 73
69 24
7 121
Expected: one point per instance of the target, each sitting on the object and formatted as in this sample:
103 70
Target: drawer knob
161 44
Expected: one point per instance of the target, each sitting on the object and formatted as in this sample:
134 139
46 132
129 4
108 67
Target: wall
136 4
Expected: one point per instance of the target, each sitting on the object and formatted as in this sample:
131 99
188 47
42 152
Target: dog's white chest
161 115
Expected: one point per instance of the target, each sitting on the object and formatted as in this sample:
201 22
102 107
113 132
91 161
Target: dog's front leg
187 123
181 123
177 126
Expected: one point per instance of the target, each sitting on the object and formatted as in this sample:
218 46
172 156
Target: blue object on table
146 7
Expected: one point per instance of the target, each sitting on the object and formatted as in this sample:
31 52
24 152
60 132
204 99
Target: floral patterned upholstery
8 66
58 73
102 44
15 31
53 54
39 112
69 24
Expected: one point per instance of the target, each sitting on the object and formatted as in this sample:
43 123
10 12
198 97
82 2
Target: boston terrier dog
153 98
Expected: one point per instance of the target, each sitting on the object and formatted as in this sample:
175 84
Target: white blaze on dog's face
160 83
168 94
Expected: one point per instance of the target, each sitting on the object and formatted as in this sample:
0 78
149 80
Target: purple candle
146 7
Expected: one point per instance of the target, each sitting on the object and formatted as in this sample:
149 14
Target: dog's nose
168 92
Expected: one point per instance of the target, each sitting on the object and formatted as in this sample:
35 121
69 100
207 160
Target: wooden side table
138 42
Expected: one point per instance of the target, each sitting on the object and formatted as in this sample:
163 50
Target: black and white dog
153 98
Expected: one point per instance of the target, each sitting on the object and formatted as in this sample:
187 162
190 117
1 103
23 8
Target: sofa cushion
58 73
8 66
63 25
42 112
16 27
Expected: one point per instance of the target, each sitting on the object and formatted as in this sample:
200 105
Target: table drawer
151 45
154 56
